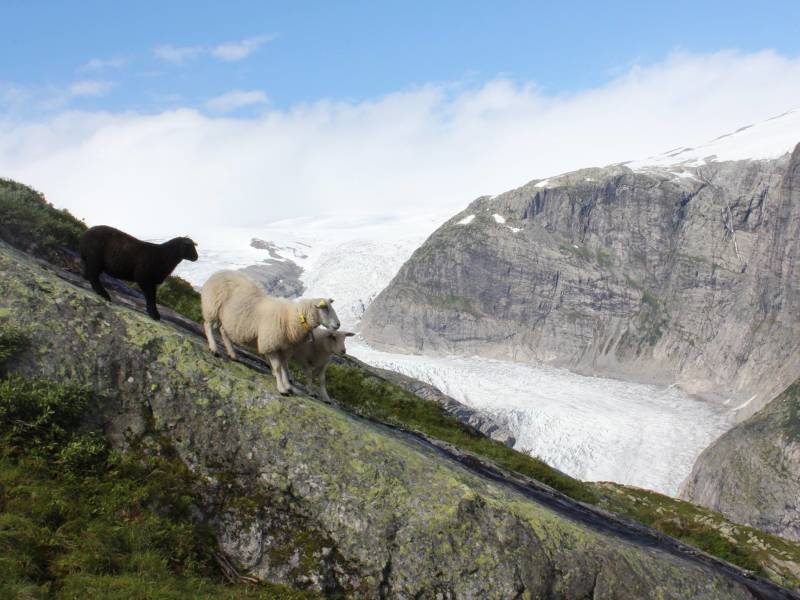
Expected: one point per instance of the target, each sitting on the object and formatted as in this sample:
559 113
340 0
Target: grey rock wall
686 276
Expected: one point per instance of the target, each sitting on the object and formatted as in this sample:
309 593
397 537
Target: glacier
592 428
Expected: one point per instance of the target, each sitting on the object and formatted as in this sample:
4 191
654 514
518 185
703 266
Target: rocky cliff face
752 473
674 274
301 492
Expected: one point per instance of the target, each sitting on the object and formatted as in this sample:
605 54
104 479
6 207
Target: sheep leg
284 358
323 390
212 343
228 345
92 274
276 367
310 380
149 291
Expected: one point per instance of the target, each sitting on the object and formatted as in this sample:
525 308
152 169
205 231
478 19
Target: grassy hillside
30 223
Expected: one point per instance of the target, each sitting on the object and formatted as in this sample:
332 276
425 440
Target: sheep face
334 341
188 249
326 316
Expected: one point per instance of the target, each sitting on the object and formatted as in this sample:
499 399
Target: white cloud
97 64
230 101
90 88
176 54
233 51
431 147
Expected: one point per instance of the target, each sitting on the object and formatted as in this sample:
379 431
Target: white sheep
313 356
246 315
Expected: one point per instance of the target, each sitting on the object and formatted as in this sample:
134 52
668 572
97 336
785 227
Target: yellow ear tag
322 304
303 321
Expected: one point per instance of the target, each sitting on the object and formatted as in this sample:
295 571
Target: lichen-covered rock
307 494
752 473
683 275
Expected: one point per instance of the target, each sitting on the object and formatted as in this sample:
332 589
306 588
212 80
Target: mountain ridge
592 270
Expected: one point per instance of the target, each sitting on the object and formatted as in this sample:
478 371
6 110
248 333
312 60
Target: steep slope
752 473
304 493
668 273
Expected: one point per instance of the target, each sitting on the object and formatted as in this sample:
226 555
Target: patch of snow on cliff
766 140
467 220
591 428
499 218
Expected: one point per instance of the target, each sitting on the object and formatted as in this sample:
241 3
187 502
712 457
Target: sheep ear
330 300
322 304
348 334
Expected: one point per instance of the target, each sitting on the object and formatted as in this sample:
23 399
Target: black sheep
114 252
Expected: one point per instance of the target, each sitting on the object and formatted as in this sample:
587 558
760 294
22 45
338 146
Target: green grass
80 520
767 555
792 396
31 223
389 403
12 341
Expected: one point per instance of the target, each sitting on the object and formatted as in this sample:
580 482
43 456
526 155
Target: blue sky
243 113
305 51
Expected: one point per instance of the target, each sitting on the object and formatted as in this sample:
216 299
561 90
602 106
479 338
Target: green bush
32 224
181 297
12 340
40 414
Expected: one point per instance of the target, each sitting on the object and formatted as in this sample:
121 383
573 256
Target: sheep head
188 248
334 341
326 316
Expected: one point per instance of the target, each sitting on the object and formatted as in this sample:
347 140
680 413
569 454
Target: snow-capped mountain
769 139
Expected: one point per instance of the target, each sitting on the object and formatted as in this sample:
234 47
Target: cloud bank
433 147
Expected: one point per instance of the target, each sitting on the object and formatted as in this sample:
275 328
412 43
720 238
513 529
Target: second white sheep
313 356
